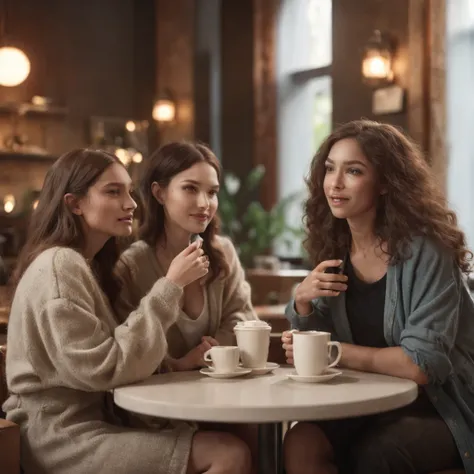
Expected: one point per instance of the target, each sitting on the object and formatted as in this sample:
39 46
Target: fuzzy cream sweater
66 350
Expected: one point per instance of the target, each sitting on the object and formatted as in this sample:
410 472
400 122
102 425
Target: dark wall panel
96 58
237 85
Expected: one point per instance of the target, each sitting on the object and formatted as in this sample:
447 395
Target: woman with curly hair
399 306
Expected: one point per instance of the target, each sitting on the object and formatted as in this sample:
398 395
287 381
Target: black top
365 309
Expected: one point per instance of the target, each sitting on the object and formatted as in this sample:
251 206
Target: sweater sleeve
128 299
90 355
318 320
237 302
431 327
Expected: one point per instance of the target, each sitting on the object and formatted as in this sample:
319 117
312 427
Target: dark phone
194 237
334 270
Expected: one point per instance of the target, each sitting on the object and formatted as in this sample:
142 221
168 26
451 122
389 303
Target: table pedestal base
270 438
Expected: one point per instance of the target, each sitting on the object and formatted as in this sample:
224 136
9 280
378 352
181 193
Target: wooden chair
273 287
9 432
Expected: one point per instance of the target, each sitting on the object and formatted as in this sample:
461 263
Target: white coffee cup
312 352
224 359
253 341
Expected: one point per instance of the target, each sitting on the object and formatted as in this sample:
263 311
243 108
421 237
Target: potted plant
253 229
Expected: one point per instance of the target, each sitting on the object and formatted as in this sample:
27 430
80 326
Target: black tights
410 440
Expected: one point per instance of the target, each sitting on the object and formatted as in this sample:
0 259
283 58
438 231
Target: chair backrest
3 377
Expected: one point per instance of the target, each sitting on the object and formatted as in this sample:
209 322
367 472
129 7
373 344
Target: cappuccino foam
253 324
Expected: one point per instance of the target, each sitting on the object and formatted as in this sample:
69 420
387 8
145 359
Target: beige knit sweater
229 298
65 351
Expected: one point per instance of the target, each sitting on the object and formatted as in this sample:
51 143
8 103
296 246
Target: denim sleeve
431 327
319 319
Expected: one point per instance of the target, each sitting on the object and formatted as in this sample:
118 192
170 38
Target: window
304 56
460 111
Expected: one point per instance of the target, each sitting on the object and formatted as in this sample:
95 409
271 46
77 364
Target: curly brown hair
162 166
413 204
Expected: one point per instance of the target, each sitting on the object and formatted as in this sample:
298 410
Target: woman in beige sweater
67 349
179 190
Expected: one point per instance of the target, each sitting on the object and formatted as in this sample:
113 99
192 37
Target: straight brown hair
53 224
162 166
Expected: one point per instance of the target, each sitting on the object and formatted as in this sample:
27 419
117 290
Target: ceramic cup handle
339 352
207 357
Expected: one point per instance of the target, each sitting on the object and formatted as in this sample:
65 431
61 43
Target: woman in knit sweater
67 350
179 189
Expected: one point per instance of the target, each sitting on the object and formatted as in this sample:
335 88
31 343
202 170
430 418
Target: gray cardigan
429 313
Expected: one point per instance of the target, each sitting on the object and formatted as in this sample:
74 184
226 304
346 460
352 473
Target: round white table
265 399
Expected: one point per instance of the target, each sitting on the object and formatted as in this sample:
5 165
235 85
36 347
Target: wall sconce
164 109
14 63
9 203
377 60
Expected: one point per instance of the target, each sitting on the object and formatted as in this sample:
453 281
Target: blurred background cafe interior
261 81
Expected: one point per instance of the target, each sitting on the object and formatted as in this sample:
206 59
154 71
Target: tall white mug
312 351
253 341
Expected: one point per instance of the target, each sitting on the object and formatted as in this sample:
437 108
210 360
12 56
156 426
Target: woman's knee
306 443
236 454
220 452
380 455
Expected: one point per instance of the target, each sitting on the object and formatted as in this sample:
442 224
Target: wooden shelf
20 156
25 108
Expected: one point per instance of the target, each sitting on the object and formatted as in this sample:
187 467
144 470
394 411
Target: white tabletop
264 398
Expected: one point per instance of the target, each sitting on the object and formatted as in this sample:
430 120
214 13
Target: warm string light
131 126
128 156
9 203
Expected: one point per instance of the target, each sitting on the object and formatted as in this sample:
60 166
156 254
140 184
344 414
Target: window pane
460 111
306 26
304 121
322 109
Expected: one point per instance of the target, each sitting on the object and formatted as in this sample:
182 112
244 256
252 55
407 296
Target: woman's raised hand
317 284
189 265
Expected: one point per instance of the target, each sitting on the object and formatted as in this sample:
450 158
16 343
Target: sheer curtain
460 111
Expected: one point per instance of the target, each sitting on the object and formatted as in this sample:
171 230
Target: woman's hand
189 265
287 340
210 340
317 284
194 359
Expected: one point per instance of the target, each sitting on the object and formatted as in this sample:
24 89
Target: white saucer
324 377
225 375
270 367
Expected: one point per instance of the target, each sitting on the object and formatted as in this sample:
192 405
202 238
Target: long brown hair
162 166
52 222
412 206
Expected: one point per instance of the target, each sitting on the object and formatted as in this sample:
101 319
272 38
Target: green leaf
254 178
